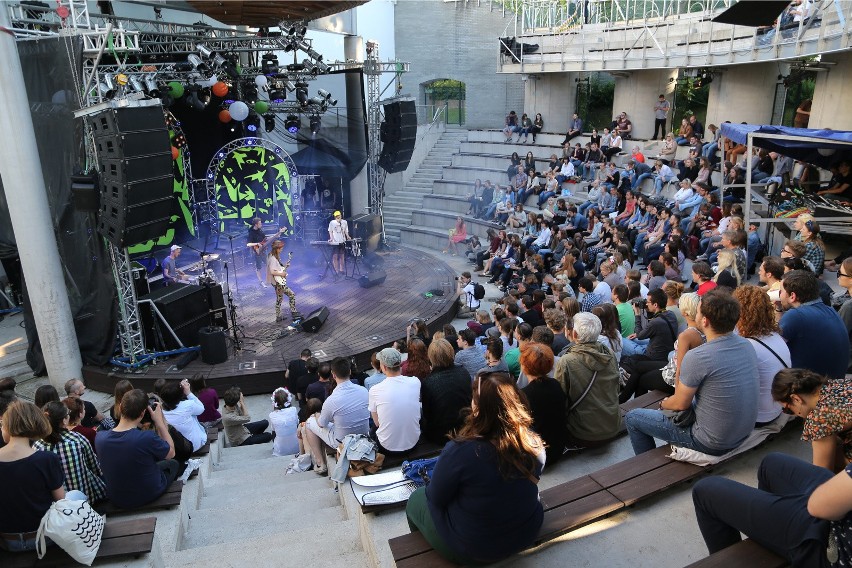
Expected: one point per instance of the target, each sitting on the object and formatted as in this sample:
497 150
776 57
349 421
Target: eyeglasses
787 251
843 275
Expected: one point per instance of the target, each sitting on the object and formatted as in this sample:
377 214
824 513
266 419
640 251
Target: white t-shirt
338 230
396 402
470 299
284 422
185 420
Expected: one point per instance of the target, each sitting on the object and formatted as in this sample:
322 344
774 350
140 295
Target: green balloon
176 89
261 106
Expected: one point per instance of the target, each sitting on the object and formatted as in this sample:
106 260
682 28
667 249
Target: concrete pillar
743 93
554 95
26 195
832 94
353 49
638 92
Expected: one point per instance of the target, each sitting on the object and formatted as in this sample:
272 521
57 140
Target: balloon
224 116
261 80
261 106
176 89
175 153
239 111
220 89
209 82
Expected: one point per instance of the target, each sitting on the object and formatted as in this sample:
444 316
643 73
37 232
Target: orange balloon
220 89
224 116
175 153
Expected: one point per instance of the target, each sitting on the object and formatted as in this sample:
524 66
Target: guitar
258 247
282 280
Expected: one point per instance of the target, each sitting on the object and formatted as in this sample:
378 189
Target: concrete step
454 187
495 162
471 173
272 470
317 494
16 345
16 369
244 453
449 203
13 357
500 148
552 139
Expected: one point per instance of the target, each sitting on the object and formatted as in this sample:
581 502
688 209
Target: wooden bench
202 451
745 553
169 499
212 435
120 538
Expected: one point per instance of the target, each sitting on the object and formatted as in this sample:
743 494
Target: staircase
399 206
250 514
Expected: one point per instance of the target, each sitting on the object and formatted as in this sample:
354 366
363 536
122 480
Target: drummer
338 234
171 273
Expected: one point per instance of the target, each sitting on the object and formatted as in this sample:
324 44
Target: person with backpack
469 295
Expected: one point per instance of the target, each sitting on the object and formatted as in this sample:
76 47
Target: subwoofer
373 278
214 346
315 319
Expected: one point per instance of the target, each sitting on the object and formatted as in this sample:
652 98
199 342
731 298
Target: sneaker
264 285
322 470
279 318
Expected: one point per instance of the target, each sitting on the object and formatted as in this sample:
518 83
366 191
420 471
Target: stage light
289 86
204 50
252 123
195 61
277 95
151 85
269 122
292 125
197 98
269 64
108 82
332 102
250 94
316 122
318 101
324 94
310 67
302 93
136 84
295 67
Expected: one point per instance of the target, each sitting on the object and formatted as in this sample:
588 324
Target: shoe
323 471
264 285
296 316
444 251
279 318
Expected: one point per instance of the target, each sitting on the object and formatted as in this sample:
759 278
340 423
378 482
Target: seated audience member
417 363
482 503
394 405
137 464
181 409
322 387
237 421
651 341
469 356
45 394
33 480
80 465
296 368
75 388
718 380
75 414
210 418
798 511
702 276
757 324
844 278
284 420
674 291
545 399
121 387
555 320
824 404
588 374
377 375
770 272
512 357
445 393
316 371
610 336
815 334
343 412
493 356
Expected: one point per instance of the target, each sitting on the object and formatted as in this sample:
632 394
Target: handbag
75 527
420 471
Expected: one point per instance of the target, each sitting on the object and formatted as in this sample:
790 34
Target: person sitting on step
236 419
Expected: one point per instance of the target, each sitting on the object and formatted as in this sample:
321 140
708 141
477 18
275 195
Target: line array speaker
398 133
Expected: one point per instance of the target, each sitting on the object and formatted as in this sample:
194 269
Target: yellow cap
337 214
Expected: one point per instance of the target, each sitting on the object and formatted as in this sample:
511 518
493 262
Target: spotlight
316 122
310 67
277 95
295 67
252 123
108 82
250 93
136 84
194 100
151 84
318 101
332 102
195 61
204 50
292 125
302 93
324 94
269 122
269 64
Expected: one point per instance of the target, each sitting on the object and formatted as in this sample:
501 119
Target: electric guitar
258 247
282 280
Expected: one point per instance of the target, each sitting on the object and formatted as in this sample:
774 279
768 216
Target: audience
445 392
284 420
469 356
45 394
237 421
377 375
545 399
181 409
210 418
75 414
121 387
92 418
417 363
394 405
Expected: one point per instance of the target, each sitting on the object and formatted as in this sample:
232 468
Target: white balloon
826 151
209 82
239 110
261 80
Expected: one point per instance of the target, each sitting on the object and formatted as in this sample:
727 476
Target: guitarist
257 240
276 274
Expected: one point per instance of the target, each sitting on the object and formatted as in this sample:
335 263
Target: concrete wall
832 94
637 94
458 40
554 95
426 139
743 93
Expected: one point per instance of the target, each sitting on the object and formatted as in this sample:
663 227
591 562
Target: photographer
468 304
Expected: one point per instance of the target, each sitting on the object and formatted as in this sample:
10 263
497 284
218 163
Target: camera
640 303
456 278
153 402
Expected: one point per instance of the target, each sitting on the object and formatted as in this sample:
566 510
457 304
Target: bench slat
408 545
430 559
632 467
171 498
117 529
654 481
126 545
574 515
564 493
745 553
647 400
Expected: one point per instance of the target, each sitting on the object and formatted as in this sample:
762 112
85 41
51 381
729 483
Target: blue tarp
804 150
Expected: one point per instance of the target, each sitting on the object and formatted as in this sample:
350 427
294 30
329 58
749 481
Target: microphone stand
235 329
233 262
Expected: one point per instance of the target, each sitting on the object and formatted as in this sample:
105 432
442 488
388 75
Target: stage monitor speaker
368 228
371 260
214 345
315 319
184 306
85 195
373 278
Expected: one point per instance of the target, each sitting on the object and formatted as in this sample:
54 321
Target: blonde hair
25 420
727 260
688 304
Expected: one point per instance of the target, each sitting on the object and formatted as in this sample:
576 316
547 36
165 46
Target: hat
475 326
390 357
175 247
337 214
493 331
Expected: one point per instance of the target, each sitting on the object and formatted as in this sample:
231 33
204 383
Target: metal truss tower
376 175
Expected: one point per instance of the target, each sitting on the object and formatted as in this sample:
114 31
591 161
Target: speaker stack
135 170
398 133
186 308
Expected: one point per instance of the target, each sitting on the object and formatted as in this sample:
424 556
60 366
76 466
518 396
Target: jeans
489 213
775 515
709 151
634 347
589 171
171 468
585 207
643 425
544 196
659 181
681 141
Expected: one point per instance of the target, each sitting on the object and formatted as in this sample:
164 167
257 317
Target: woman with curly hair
757 324
482 503
814 247
417 364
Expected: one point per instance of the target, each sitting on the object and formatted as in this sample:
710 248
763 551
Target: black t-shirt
444 393
295 369
302 382
256 235
532 317
845 180
547 406
26 492
89 418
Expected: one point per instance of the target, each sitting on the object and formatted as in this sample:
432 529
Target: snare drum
213 262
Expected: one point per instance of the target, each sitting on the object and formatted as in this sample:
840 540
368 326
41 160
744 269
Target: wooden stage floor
360 321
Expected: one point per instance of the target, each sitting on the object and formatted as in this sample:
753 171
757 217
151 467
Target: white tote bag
75 527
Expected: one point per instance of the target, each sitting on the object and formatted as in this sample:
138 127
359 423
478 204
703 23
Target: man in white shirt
394 405
543 239
468 304
338 234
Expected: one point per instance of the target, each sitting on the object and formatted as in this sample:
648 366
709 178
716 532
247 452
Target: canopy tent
320 158
821 147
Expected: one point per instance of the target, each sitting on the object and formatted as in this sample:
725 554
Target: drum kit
209 265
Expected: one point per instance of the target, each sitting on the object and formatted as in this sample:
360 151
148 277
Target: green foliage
795 95
445 89
689 99
594 101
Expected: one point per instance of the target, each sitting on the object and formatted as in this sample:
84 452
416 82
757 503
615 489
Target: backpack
478 291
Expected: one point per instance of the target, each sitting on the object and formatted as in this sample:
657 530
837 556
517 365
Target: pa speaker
85 194
129 119
372 278
368 228
395 159
315 319
185 307
398 133
214 346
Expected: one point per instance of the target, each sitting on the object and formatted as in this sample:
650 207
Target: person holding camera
468 304
138 464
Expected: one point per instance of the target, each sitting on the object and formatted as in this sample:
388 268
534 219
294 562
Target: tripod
235 329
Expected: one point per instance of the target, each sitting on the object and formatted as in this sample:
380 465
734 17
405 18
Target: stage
360 322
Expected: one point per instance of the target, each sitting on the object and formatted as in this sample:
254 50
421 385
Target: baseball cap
175 247
337 214
390 357
475 326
